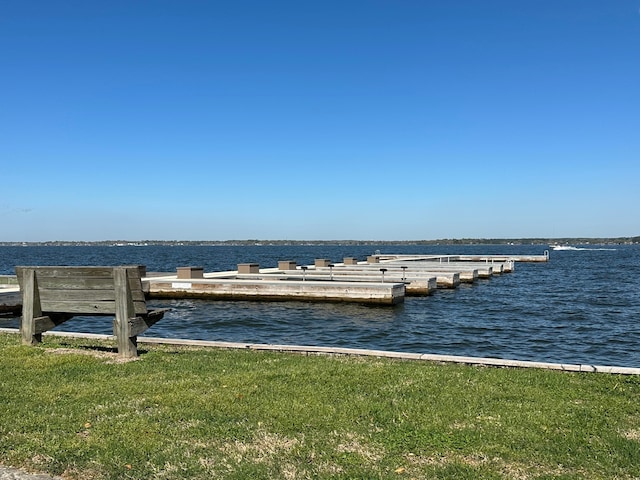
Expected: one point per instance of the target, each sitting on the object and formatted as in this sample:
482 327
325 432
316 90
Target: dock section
444 278
10 301
274 289
414 286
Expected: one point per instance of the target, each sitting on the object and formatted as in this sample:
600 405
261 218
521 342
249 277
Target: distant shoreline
255 242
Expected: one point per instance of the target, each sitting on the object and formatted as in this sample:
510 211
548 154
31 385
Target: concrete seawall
315 350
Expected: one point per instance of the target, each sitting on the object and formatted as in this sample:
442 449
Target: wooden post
127 344
30 309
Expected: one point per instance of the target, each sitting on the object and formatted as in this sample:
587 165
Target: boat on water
569 247
562 247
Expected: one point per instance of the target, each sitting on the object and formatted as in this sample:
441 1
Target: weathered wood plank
75 295
47 288
90 307
64 271
139 325
124 311
59 272
46 322
86 307
30 309
90 283
74 283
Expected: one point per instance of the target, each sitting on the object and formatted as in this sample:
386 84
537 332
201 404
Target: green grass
68 409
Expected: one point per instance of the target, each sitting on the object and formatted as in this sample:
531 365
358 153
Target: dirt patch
352 443
108 357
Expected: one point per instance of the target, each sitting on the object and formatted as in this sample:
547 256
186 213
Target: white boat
562 247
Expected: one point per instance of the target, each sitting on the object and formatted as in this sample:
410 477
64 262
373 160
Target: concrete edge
308 349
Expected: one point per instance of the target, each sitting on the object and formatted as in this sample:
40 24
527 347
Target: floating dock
380 279
10 302
10 297
275 289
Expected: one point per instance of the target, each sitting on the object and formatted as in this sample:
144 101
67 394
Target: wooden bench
53 295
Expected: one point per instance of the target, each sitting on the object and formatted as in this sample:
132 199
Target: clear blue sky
383 120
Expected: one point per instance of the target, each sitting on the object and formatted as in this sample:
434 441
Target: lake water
583 306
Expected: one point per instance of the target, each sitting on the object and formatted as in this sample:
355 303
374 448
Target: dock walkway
380 279
271 288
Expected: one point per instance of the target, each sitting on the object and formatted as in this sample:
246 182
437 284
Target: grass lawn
68 408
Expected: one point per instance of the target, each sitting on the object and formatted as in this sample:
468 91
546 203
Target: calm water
582 306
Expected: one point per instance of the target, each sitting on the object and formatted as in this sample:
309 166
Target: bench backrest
84 290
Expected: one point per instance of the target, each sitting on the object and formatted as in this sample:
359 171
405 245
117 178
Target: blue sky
383 120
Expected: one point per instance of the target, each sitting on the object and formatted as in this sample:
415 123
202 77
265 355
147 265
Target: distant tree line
442 241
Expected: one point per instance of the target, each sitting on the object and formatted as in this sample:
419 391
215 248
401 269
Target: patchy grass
70 408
